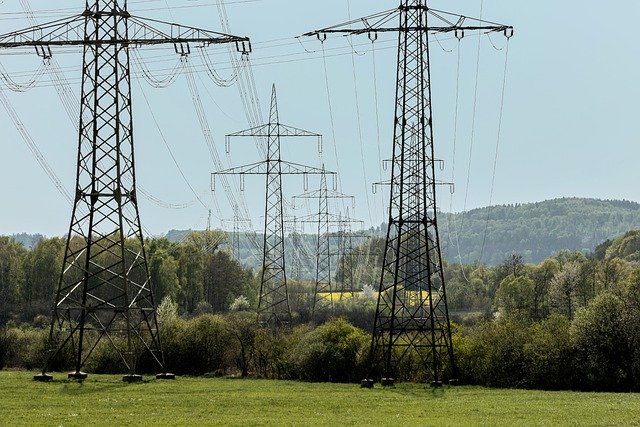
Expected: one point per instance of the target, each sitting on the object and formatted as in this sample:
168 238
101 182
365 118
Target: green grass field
103 399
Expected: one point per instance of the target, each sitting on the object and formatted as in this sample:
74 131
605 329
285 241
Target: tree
163 268
564 288
42 267
11 274
224 280
515 295
542 276
243 328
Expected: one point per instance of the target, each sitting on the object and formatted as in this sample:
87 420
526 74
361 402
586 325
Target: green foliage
243 330
494 354
625 247
551 357
538 230
105 358
163 269
605 352
224 280
25 347
240 304
331 352
510 352
515 295
196 346
11 274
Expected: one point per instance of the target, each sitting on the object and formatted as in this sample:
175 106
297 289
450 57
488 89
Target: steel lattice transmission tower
104 290
273 305
346 282
412 309
323 219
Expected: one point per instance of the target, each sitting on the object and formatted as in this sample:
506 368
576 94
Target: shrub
203 346
276 353
105 358
331 352
494 353
243 329
604 352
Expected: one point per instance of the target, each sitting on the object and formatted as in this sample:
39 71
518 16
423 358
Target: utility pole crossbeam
105 289
323 285
273 305
412 312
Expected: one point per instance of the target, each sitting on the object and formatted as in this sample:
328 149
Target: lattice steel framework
104 290
412 309
273 305
346 283
323 282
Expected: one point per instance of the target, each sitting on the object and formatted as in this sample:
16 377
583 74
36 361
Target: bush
604 351
243 329
275 353
197 346
494 353
331 352
550 355
105 358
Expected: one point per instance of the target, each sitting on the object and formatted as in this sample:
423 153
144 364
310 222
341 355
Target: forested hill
535 230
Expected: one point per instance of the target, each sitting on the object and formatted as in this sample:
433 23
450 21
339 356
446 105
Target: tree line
195 273
568 322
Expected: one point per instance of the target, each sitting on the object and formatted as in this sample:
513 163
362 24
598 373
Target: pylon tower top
412 315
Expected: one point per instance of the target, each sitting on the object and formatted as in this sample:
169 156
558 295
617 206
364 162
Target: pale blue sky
570 124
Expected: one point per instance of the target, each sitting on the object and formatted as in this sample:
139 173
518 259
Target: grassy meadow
105 399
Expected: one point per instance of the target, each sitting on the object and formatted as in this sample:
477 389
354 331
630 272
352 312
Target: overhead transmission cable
40 158
362 151
498 138
453 231
473 119
166 144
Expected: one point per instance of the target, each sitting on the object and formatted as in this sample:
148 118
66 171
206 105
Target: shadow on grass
418 390
102 385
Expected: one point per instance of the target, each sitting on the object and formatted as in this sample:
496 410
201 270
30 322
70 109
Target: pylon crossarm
377 23
290 168
141 31
144 31
331 218
66 31
282 131
317 194
259 168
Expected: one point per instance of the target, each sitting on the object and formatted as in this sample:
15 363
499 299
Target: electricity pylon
104 290
273 305
236 222
323 285
346 282
412 309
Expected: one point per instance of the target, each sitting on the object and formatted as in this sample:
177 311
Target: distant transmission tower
412 309
104 290
346 285
323 283
273 305
236 221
